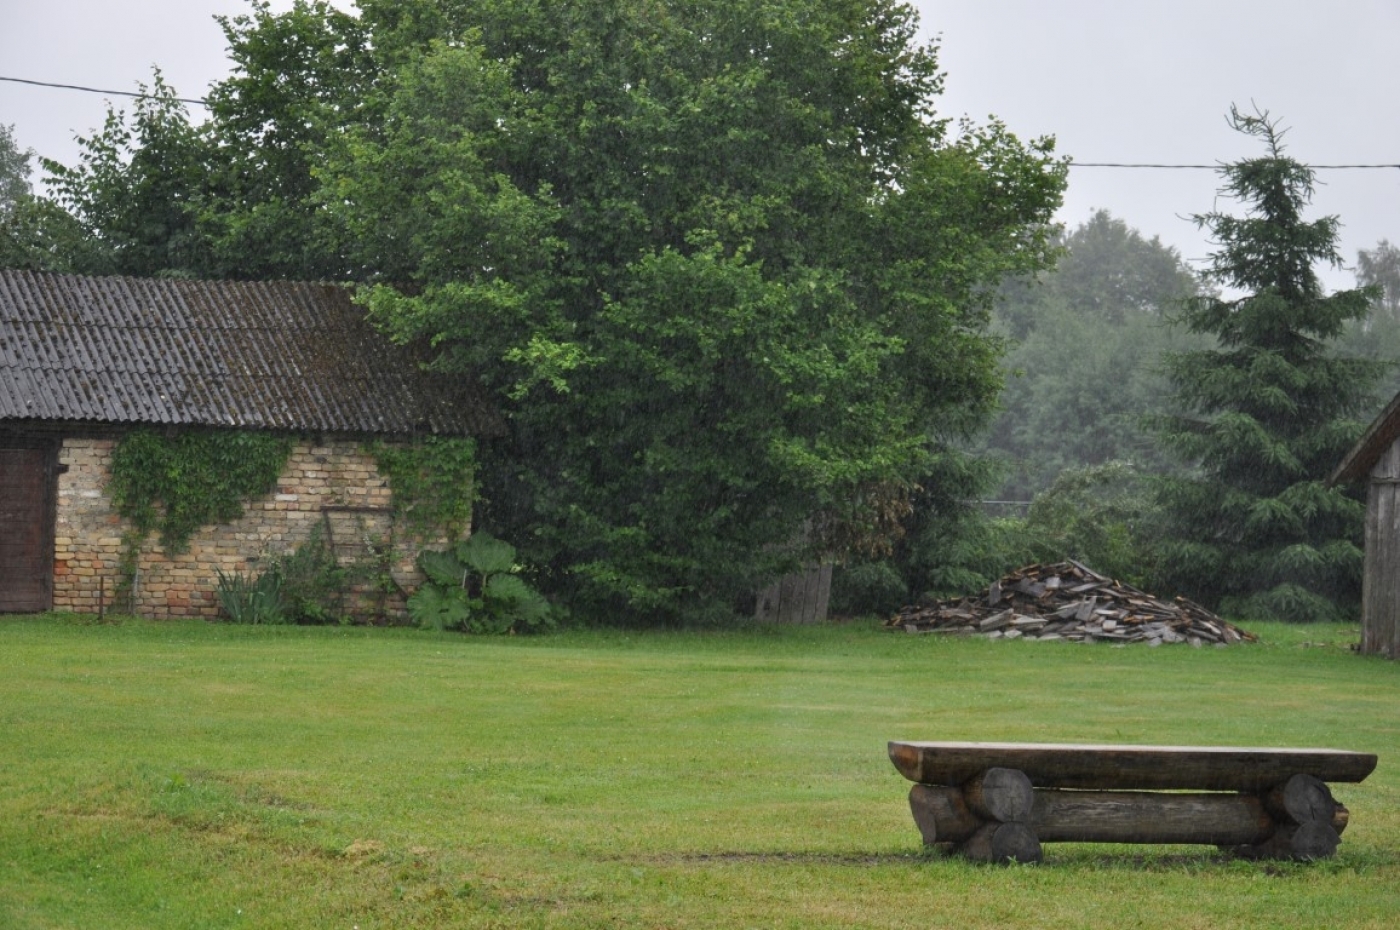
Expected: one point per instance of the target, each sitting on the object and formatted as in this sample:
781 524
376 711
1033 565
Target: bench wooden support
1278 808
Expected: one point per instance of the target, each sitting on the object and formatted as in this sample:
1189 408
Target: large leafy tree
1267 414
722 265
1085 367
14 170
136 190
1377 335
36 233
1379 268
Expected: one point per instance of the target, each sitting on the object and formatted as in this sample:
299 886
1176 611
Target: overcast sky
1113 81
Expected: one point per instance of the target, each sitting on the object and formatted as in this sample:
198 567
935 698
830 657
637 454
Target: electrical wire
199 101
1110 164
96 90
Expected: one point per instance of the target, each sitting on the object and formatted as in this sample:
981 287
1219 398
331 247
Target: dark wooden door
26 531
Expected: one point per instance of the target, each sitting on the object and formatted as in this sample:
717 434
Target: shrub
867 588
314 583
475 586
1098 515
308 586
247 598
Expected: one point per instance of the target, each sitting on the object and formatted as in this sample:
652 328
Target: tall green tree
725 265
1377 335
137 190
14 170
722 265
1267 415
1085 366
1379 268
36 234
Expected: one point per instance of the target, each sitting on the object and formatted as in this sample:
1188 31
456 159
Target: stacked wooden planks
1069 601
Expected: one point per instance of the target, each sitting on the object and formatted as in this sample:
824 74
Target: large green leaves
475 586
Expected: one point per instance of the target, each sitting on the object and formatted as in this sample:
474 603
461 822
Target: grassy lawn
184 775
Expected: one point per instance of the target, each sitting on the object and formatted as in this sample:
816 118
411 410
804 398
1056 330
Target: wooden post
1150 817
1380 590
942 815
1301 799
1001 794
801 597
1002 842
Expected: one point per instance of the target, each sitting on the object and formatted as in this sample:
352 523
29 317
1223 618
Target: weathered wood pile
1069 601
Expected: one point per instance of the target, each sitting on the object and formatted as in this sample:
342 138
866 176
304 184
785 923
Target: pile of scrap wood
1069 601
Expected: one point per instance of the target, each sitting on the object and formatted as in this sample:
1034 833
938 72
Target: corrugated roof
252 355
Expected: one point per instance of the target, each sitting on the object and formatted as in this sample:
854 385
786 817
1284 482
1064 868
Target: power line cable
97 90
1110 164
200 101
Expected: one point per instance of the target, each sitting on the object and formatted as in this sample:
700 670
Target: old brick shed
84 360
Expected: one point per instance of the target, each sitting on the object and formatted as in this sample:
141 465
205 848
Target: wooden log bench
998 802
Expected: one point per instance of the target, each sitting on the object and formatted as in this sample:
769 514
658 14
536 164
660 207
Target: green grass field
182 775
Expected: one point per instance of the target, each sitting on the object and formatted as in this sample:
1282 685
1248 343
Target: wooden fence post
801 597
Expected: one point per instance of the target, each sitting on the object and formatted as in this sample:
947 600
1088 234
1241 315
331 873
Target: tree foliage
723 266
1268 414
1379 269
14 170
136 191
36 234
1085 368
1377 335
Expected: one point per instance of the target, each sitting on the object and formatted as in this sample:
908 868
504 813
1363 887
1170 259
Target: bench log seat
1000 801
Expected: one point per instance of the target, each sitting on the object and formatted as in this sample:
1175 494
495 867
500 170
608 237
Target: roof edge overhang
112 427
1370 447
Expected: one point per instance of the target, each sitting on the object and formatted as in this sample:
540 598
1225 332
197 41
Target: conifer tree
1266 414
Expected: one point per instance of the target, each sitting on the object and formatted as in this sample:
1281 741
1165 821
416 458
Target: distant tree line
1173 428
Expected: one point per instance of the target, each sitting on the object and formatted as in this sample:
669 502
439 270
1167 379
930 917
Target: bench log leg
1150 817
986 819
1310 822
998 817
1303 842
1002 842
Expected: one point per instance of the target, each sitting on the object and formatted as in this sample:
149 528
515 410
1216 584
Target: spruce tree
1267 413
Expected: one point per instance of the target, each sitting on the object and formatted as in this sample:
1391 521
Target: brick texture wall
332 484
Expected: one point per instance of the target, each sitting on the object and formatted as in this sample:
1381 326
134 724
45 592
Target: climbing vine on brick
178 483
433 483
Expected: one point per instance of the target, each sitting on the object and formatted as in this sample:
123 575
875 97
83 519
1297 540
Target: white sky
1142 81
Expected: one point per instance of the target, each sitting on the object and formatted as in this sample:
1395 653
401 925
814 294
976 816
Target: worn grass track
159 775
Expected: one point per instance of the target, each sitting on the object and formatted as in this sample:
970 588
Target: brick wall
333 484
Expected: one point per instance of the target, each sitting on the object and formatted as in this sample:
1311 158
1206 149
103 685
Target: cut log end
1302 842
1002 842
941 814
1302 799
1001 794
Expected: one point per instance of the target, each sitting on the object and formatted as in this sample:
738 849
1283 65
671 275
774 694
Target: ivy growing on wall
178 483
433 483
